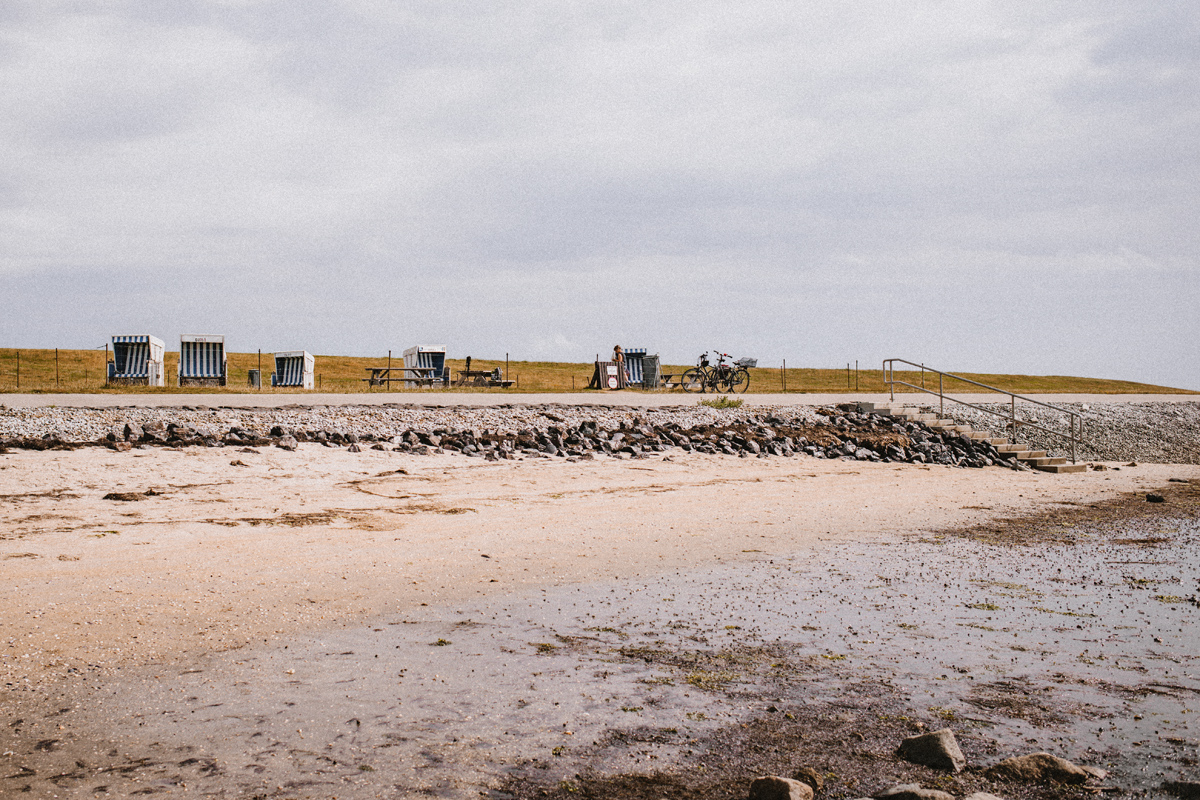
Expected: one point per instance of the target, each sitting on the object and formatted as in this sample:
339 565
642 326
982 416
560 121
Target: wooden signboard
607 375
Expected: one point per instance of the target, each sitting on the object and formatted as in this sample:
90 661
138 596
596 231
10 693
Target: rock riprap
508 432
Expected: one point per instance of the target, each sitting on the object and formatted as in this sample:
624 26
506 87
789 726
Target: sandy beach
321 536
226 553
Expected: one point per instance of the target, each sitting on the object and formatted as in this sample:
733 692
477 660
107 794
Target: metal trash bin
254 378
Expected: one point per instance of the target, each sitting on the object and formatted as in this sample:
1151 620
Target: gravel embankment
1151 432
1163 433
365 422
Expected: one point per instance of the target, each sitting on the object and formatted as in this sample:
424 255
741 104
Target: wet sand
277 624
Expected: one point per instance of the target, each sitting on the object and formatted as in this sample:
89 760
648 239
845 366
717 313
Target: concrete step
1043 461
1061 468
997 443
1016 447
980 436
1019 455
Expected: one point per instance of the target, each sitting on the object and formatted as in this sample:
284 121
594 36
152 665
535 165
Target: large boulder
938 749
1038 768
773 787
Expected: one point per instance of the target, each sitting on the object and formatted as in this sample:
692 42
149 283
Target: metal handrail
1074 418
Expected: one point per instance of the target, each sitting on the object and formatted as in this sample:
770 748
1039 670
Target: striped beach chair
137 361
633 365
293 369
424 364
202 361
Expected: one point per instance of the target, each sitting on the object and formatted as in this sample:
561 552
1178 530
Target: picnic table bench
424 376
481 377
489 378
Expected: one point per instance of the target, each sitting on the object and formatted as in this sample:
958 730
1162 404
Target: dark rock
287 443
154 431
1189 790
1037 768
125 497
354 448
912 791
938 749
810 776
1155 498
776 788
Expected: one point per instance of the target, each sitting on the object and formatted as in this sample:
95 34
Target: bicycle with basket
720 377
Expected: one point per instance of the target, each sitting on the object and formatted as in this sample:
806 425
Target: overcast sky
982 186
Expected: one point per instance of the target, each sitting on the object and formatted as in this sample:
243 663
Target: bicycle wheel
693 380
739 381
719 381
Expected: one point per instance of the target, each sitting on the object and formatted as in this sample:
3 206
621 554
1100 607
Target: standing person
618 358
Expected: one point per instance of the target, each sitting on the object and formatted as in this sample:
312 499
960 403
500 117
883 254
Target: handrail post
1072 438
941 398
1012 421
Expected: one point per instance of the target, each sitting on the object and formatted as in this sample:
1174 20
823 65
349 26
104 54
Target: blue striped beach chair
633 365
202 361
137 361
424 364
293 369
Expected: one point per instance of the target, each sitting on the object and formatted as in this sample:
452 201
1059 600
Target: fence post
18 369
783 370
57 383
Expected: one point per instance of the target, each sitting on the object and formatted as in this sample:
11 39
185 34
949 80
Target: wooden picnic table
424 376
481 377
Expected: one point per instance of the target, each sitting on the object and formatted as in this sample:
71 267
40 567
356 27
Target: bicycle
720 377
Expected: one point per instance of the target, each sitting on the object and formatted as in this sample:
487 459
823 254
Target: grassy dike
82 371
